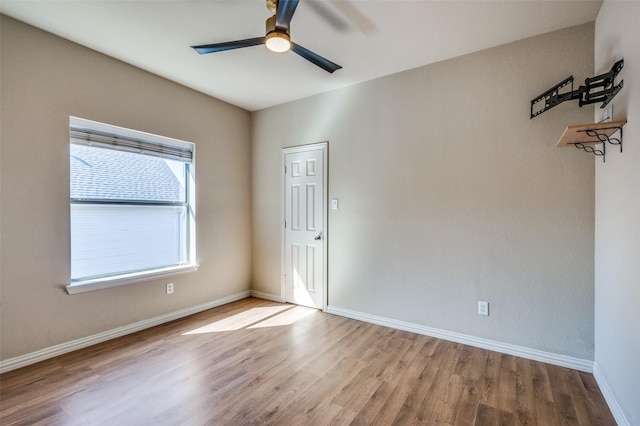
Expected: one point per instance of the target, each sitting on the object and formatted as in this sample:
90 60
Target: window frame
124 278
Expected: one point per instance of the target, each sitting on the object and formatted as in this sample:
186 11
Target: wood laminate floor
256 362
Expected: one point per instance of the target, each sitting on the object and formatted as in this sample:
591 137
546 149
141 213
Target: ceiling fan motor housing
271 27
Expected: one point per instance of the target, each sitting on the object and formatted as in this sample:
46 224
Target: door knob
319 237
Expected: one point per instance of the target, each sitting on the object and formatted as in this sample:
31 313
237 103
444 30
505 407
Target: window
132 205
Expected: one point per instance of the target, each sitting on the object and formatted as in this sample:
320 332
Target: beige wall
617 224
46 79
450 194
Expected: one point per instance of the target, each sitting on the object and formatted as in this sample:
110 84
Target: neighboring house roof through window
117 175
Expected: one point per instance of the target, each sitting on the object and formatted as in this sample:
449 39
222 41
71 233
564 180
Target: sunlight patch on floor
241 320
286 318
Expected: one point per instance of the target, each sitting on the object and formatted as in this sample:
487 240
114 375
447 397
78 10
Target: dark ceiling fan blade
357 18
321 8
285 11
229 45
314 58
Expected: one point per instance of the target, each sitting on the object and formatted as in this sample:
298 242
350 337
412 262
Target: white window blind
90 137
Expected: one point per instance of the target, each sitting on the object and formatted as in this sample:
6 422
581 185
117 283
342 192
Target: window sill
116 281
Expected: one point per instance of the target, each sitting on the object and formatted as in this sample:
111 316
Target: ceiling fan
277 38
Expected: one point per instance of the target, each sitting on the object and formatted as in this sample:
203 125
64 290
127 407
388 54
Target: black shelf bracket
601 88
600 138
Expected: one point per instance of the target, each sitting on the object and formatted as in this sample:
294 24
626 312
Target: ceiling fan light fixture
277 41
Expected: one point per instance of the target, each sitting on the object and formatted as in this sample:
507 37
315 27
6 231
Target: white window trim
100 283
124 279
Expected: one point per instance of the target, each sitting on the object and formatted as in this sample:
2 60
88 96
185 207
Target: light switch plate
334 204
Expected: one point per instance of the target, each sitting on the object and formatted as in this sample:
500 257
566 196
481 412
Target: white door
304 236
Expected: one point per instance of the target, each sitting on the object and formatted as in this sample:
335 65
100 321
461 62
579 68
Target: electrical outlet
169 288
483 308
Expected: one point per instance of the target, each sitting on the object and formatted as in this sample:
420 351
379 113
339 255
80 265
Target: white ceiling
379 37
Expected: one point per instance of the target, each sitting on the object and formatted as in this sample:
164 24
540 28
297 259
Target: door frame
324 146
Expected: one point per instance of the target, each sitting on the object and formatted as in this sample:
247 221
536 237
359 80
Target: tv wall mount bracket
601 88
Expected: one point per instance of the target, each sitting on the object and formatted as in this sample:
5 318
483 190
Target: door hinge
285 170
285 224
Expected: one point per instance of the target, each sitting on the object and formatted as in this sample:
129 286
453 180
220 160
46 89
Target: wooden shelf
587 136
579 134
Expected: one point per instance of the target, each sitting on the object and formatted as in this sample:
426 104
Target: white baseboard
506 348
267 296
63 348
616 411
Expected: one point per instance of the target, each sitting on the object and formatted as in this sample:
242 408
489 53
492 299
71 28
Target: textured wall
617 235
46 79
450 194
